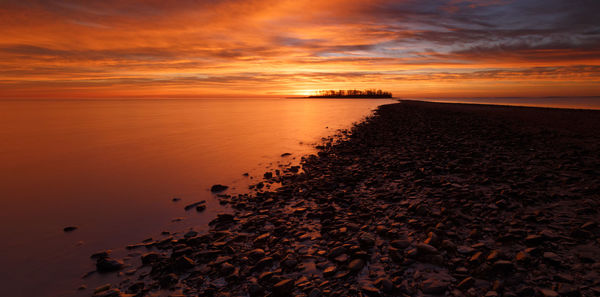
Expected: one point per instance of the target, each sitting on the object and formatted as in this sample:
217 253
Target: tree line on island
370 93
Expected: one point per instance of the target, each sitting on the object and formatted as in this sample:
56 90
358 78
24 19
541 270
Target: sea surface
112 167
550 102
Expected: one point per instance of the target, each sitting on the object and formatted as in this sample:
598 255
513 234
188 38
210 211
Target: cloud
225 44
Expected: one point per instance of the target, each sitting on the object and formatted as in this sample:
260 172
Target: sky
196 48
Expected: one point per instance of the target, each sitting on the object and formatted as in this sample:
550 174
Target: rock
256 254
533 240
150 258
286 154
110 293
190 233
336 251
386 285
218 188
434 286
465 250
108 265
100 254
227 268
70 228
548 293
522 257
268 175
265 276
552 258
426 249
503 266
493 256
190 206
101 288
176 199
329 271
341 258
466 283
369 290
184 263
366 240
283 288
400 243
315 293
448 245
168 280
356 265
262 239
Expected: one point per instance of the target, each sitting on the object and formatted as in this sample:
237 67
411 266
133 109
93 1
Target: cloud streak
204 48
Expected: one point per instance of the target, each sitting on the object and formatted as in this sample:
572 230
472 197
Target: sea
111 168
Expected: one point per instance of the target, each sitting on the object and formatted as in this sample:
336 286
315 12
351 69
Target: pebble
218 188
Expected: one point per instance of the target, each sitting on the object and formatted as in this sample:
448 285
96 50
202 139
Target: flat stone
283 288
218 188
356 265
108 265
434 286
426 249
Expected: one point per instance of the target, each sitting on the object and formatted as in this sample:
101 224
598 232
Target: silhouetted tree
370 93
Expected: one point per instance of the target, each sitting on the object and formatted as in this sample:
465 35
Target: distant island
372 93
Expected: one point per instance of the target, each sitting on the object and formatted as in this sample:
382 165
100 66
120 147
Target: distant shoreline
351 97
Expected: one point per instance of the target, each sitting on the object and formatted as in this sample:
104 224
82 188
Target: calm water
111 167
553 102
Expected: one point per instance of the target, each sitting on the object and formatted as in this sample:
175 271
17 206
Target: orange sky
186 48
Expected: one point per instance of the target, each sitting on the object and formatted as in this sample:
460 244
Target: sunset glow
147 48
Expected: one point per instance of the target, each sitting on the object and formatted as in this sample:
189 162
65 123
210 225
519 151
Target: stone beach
421 199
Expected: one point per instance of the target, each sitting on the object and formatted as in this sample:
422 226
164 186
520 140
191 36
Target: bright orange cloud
190 48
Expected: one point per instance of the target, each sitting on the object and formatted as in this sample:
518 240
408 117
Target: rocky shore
422 199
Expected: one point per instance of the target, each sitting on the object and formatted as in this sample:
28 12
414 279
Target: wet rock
534 240
227 268
337 251
102 288
466 283
283 288
70 228
434 286
356 265
218 188
552 258
503 266
168 280
329 271
426 249
315 292
192 205
400 243
184 263
108 265
385 284
366 240
369 290
190 233
100 254
150 258
256 254
548 293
